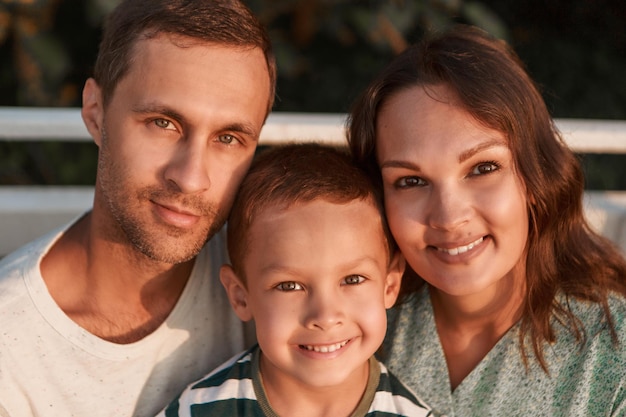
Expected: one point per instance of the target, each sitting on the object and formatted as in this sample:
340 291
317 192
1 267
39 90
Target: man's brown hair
222 22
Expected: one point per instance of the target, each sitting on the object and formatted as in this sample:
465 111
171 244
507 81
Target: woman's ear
93 110
236 291
394 279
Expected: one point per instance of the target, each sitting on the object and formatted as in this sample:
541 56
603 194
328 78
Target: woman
514 305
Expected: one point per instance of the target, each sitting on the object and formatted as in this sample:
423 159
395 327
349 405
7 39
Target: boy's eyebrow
351 266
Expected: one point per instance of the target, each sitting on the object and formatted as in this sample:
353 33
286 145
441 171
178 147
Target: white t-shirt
50 366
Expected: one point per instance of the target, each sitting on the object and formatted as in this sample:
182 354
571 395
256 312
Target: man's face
176 139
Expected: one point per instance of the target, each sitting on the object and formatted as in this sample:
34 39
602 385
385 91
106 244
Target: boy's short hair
297 173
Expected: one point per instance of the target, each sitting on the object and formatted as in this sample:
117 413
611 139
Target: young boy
314 266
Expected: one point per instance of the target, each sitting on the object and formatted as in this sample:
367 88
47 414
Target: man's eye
163 123
288 286
227 139
353 279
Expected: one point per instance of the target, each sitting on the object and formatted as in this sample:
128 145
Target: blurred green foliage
327 51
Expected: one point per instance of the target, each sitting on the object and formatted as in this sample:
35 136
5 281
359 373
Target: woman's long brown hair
565 256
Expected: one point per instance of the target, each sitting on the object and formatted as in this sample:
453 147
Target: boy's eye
288 286
353 280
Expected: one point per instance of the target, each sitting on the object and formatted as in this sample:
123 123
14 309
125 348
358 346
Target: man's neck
111 289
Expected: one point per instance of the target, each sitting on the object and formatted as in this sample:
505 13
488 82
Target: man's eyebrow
465 155
243 128
159 109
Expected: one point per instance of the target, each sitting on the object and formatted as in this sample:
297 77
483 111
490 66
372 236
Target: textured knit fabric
50 366
585 379
235 390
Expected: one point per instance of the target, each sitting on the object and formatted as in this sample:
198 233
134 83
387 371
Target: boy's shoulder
237 368
227 391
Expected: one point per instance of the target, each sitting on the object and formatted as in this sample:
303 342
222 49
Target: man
114 314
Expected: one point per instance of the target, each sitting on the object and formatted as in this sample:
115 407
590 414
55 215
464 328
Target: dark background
327 51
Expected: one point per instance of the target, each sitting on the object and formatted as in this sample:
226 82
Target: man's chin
169 244
174 254
169 248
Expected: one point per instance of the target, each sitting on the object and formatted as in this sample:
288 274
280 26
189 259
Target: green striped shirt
235 389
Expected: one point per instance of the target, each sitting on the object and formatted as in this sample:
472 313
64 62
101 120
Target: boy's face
318 285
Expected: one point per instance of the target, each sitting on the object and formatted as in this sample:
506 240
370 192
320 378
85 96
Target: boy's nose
324 312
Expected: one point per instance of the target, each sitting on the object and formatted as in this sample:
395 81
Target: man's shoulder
35 248
18 266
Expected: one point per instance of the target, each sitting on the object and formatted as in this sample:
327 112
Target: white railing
23 123
27 212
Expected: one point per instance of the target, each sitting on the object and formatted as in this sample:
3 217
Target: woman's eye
485 168
288 286
408 182
353 280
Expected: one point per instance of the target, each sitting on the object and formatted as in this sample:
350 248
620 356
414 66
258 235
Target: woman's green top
585 379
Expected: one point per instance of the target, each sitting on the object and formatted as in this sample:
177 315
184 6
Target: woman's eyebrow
399 164
465 155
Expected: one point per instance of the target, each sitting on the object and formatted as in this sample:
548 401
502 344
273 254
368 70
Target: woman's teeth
461 249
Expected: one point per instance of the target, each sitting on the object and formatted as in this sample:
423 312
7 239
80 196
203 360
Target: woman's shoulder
617 307
595 322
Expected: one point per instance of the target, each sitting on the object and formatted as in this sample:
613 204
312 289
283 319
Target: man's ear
237 292
394 279
93 110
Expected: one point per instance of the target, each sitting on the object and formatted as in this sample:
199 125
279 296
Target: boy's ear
394 279
236 291
93 110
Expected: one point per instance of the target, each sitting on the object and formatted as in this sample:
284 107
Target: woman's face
455 203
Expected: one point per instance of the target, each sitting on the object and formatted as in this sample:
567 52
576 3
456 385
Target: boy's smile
325 348
317 287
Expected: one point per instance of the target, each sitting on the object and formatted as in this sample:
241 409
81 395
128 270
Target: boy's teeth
461 249
326 348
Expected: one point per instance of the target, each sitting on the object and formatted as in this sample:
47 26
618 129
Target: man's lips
176 216
178 210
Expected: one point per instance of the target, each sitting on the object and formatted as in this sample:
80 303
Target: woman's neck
469 326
